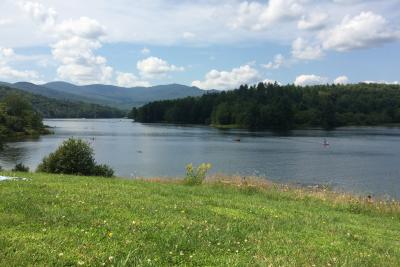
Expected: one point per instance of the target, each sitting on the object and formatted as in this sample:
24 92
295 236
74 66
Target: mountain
60 108
123 97
47 92
114 96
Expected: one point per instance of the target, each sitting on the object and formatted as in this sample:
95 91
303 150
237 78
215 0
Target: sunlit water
363 160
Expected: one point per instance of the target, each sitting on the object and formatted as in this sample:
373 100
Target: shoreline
250 182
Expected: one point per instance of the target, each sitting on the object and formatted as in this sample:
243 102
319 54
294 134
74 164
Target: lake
363 160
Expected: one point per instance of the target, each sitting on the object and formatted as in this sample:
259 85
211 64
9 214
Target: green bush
20 168
196 176
103 170
74 156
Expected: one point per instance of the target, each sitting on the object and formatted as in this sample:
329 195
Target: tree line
18 118
272 106
54 108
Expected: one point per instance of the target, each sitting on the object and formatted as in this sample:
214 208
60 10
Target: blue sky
206 43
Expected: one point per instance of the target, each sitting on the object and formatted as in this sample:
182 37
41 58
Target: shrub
196 176
20 168
74 156
103 170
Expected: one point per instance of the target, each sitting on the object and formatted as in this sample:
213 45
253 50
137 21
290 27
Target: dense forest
18 118
271 106
55 108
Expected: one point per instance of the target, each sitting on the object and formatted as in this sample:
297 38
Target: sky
211 44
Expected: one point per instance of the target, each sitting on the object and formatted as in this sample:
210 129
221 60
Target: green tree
74 156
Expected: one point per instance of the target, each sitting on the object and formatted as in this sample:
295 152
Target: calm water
362 160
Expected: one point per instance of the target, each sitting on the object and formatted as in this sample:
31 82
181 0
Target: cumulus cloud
78 62
362 31
341 80
130 80
278 62
11 74
314 21
154 67
207 22
75 49
7 72
304 80
83 27
45 16
210 20
228 79
257 16
301 49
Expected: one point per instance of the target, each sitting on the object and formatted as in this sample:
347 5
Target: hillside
53 108
126 97
120 97
271 106
48 92
18 118
63 220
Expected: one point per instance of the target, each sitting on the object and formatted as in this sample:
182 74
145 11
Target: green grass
54 220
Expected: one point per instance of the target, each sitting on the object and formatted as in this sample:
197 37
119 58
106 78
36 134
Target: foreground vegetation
74 156
56 108
271 106
62 220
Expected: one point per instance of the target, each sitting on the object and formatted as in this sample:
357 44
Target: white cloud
130 80
257 16
83 27
74 50
228 79
269 81
41 14
301 49
8 73
304 80
147 22
255 23
189 35
145 51
6 53
314 21
5 22
362 31
382 82
154 67
341 80
278 62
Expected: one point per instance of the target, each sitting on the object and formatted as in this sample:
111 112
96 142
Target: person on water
326 142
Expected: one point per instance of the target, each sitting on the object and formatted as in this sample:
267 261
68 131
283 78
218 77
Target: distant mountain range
114 96
62 108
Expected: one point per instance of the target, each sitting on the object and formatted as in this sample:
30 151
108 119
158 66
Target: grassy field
58 220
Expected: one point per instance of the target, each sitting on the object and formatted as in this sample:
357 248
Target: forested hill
108 95
18 118
54 108
271 106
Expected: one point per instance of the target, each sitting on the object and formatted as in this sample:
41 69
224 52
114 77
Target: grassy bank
68 220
